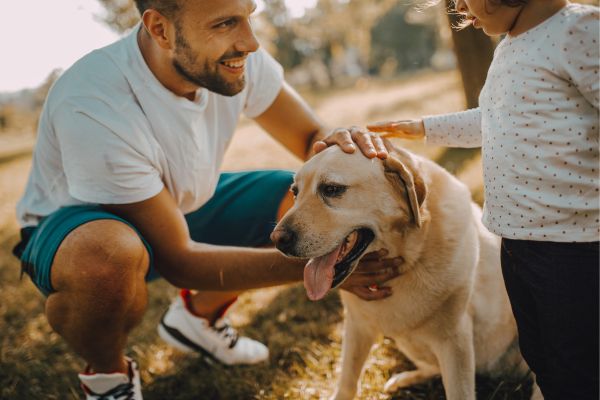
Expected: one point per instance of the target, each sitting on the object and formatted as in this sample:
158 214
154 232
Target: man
125 187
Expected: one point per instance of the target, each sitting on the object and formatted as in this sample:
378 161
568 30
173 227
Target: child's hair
465 22
452 8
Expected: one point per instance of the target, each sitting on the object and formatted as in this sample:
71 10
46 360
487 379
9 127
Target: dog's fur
449 312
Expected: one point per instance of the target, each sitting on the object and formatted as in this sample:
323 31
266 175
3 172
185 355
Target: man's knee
98 256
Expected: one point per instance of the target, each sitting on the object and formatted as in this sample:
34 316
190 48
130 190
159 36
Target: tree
339 35
474 52
40 93
120 14
403 39
7 112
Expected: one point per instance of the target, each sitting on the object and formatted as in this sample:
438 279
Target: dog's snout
284 239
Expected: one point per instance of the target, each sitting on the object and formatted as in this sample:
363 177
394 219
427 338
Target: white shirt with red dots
537 124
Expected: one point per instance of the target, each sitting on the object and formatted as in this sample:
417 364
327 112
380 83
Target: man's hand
370 144
374 270
406 129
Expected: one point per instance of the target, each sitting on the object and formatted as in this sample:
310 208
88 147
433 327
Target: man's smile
234 66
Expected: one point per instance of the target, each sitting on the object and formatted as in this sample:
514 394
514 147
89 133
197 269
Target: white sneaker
115 386
189 333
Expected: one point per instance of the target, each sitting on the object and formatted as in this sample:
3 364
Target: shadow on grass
302 337
290 325
486 388
35 363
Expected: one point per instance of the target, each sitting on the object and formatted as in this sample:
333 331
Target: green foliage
348 39
408 45
120 14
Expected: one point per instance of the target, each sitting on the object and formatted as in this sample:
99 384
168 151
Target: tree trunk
474 51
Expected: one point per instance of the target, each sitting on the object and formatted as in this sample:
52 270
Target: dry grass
303 337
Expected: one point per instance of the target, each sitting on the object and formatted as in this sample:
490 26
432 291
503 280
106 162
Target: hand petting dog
370 144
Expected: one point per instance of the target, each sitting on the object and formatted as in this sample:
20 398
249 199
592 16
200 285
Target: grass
303 337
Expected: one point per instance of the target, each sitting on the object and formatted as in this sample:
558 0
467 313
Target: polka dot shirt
537 124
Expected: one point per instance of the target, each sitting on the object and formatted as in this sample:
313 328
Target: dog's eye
328 190
294 190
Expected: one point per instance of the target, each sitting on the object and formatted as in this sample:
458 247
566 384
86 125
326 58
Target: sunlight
296 8
44 35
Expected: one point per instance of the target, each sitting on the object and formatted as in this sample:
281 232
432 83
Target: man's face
213 39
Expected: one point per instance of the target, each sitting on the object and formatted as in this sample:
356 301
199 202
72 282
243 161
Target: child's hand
406 129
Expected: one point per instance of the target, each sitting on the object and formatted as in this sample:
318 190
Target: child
537 124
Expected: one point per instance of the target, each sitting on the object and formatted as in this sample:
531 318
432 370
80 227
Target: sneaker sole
176 339
166 336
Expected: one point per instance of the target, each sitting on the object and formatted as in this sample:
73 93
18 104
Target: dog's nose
284 239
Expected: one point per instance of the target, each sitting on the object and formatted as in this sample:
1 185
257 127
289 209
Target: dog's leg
356 343
457 361
409 378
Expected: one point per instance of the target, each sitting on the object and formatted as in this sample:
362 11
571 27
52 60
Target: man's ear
159 28
405 178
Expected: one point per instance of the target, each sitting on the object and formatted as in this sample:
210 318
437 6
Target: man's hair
168 8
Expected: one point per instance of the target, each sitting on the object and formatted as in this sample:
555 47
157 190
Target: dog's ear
405 178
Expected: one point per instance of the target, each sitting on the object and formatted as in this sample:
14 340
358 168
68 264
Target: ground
303 337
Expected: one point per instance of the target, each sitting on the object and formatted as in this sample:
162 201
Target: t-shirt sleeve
581 58
264 82
103 159
460 129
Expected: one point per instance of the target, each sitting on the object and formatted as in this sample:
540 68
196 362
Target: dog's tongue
318 274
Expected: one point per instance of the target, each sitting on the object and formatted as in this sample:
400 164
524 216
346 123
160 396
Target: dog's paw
406 379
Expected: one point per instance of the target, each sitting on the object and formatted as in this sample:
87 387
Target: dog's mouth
331 270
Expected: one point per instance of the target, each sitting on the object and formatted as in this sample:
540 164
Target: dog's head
345 204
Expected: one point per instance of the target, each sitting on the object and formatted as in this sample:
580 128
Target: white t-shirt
537 123
111 133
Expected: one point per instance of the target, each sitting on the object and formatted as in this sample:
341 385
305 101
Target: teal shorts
242 212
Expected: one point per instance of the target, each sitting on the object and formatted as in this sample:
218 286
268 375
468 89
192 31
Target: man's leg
211 304
243 211
92 266
100 294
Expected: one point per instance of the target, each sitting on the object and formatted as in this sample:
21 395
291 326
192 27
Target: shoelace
121 392
227 332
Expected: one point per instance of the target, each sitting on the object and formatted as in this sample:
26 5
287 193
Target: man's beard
207 78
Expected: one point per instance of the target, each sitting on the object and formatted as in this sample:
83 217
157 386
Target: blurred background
322 44
355 61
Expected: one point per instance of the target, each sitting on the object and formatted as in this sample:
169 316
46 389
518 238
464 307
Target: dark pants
553 290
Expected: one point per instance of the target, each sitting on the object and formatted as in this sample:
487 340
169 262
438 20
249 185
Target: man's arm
295 125
193 265
185 263
292 123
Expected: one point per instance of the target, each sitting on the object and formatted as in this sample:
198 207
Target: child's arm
461 129
404 129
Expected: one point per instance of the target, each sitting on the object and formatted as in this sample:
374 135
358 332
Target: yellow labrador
449 312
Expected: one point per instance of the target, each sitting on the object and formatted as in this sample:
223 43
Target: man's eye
226 23
332 190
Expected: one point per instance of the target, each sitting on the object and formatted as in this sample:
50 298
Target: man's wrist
317 136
